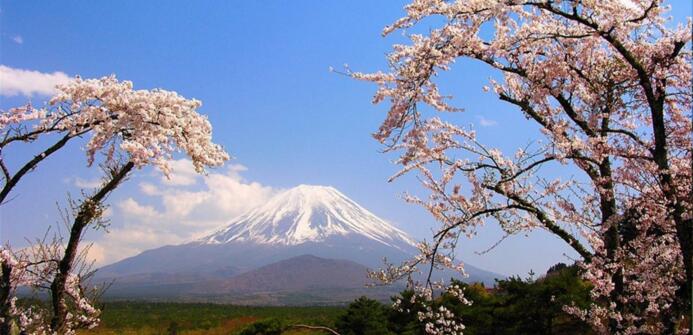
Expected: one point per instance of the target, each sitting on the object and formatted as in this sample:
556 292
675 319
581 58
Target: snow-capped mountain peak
308 213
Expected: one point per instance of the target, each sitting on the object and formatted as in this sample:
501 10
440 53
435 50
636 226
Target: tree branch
12 182
322 328
547 222
87 213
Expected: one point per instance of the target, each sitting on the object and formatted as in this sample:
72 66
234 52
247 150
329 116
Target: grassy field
189 318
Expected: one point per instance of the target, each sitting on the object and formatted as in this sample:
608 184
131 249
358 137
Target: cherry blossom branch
10 183
88 212
5 171
548 224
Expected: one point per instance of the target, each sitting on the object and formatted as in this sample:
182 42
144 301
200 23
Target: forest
530 305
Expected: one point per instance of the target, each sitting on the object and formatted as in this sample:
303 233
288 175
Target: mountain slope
234 258
308 214
305 272
300 280
305 220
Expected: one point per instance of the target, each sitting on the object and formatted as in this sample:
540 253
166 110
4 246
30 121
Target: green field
189 318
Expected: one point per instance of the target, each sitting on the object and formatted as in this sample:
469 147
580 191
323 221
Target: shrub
265 327
364 317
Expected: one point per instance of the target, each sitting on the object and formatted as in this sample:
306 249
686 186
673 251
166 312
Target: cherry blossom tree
132 129
609 85
35 267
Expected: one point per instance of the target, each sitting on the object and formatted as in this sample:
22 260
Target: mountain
309 214
312 228
316 220
301 280
298 273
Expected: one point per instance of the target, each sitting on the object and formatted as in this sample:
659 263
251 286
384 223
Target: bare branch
321 328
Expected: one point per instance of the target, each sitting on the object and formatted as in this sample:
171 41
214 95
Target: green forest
530 305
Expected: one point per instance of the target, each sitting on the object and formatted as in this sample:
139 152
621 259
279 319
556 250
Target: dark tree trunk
683 222
85 215
5 296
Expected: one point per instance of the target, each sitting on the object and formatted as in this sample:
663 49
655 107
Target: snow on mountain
308 213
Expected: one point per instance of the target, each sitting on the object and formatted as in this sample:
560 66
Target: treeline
514 306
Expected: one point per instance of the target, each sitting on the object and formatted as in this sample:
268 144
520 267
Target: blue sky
261 70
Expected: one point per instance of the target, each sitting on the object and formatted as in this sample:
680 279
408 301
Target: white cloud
18 39
484 122
131 209
149 189
27 82
122 243
95 253
168 212
183 173
83 183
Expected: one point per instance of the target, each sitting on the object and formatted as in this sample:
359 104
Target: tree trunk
684 232
612 238
85 215
684 223
5 296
